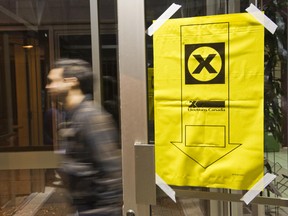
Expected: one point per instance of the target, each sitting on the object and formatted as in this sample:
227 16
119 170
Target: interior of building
111 36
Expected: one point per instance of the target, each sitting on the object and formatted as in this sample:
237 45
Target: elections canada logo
210 106
205 63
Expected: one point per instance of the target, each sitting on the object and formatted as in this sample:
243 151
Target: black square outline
220 48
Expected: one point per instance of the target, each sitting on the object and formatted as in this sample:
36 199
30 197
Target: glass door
22 88
275 106
33 34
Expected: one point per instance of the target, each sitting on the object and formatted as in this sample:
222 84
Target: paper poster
208 82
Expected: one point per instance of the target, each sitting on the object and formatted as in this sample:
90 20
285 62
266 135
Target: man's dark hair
80 69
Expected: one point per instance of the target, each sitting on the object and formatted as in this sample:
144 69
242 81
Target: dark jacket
91 167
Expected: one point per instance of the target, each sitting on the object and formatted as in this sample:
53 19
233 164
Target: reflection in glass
23 99
33 34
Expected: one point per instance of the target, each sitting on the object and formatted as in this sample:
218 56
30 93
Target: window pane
275 73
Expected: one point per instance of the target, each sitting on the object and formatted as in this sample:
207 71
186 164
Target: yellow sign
208 80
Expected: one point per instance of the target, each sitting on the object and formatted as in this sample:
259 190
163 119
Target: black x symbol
204 63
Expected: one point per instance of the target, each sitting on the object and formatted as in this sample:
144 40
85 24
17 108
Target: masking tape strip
165 188
258 187
262 18
162 19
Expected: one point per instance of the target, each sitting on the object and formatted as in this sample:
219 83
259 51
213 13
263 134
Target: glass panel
275 104
25 58
75 46
108 42
33 34
28 29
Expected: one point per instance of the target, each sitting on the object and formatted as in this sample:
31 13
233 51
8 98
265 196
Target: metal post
95 49
132 73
